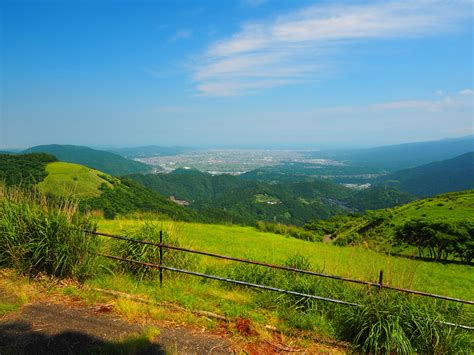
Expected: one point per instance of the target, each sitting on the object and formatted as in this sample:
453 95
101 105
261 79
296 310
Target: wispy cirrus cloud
181 34
460 100
294 47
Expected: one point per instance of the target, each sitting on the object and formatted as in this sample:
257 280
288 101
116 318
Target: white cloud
288 48
466 92
181 34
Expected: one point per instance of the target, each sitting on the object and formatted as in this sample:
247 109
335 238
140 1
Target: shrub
38 237
396 323
292 231
150 253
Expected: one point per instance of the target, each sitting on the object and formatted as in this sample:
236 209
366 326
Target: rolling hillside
450 175
93 189
107 162
443 216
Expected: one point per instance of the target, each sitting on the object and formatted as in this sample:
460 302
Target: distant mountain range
106 162
456 174
401 156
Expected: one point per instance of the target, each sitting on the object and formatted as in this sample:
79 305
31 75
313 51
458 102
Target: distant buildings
179 202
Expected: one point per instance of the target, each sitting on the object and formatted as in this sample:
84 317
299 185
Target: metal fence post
161 257
381 279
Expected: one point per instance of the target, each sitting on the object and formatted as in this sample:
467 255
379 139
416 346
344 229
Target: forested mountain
401 156
455 174
97 159
292 202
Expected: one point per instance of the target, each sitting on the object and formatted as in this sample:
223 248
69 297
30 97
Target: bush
150 253
292 231
396 323
38 237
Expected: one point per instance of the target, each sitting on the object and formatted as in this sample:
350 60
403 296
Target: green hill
74 180
107 162
440 223
455 174
93 189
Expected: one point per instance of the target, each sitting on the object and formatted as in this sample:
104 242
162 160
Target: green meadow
355 262
73 180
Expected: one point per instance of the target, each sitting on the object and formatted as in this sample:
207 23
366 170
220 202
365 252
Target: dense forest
24 170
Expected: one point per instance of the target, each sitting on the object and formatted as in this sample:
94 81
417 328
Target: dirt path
47 328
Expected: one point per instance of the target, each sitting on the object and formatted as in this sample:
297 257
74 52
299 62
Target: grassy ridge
73 180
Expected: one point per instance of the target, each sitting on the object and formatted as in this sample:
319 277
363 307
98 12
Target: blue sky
310 74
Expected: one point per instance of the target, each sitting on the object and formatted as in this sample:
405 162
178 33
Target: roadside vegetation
45 239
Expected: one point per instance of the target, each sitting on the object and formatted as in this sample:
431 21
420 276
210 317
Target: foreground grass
354 262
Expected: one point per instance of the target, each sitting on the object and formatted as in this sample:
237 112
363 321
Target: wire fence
380 285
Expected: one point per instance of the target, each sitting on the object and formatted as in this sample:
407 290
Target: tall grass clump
150 232
38 237
384 322
397 323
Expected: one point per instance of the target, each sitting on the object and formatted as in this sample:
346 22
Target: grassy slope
452 206
67 179
356 262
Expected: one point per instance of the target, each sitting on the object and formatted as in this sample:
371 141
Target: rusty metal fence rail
380 285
